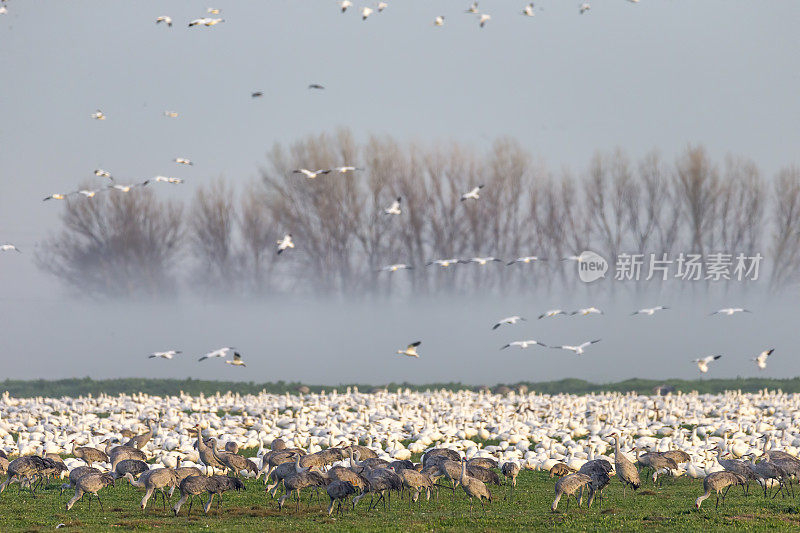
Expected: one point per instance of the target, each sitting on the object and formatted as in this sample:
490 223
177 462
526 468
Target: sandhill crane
483 474
649 311
484 462
511 470
381 481
472 194
415 482
719 482
76 473
88 454
394 209
436 454
121 453
4 462
231 447
657 462
139 441
508 321
90 484
599 470
130 466
570 485
767 470
679 456
730 311
298 481
737 467
337 492
207 455
233 461
702 364
625 469
190 487
474 488
411 350
26 469
219 485
182 473
152 480
284 243
761 359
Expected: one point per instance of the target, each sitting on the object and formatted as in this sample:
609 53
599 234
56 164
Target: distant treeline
165 387
223 241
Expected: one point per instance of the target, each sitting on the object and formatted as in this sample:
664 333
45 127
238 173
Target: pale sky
657 74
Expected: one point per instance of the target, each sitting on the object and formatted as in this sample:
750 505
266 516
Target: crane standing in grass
625 469
474 488
570 485
719 482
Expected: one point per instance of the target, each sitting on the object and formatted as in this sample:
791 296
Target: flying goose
236 361
473 8
442 262
551 313
528 10
316 86
587 311
411 349
439 21
473 194
220 353
346 169
577 349
702 364
523 344
344 4
99 172
9 248
88 193
526 259
730 311
164 355
58 196
510 320
482 260
761 359
205 21
183 161
166 179
127 188
310 174
285 243
98 115
366 12
485 17
257 94
396 267
171 114
650 311
394 209
381 6
584 7
212 11
165 19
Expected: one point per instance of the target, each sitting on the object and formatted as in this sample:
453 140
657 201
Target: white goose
730 311
166 179
171 114
98 115
220 353
103 173
444 263
439 21
482 261
344 4
165 19
577 349
58 196
587 311
310 174
346 169
528 10
396 267
702 364
551 313
411 350
761 359
649 311
236 361
285 243
183 161
164 355
472 194
366 12
9 248
523 344
508 321
473 8
485 17
525 259
128 188
394 209
584 7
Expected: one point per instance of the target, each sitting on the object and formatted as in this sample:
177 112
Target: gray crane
152 480
88 454
338 491
26 470
510 469
415 482
484 462
218 485
599 470
719 482
233 461
182 473
570 485
298 481
474 488
766 470
381 481
561 470
90 484
207 455
139 441
190 487
129 466
626 471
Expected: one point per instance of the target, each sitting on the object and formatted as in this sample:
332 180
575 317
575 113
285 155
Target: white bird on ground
346 169
164 355
442 262
394 209
171 114
128 188
526 259
577 349
649 311
551 313
508 321
166 179
236 361
165 19
439 21
761 359
219 353
381 6
58 196
473 8
730 311
584 7
587 311
523 344
365 12
285 243
183 161
103 173
411 349
482 260
485 17
344 4
396 267
88 193
9 248
528 10
702 364
98 115
473 194
310 174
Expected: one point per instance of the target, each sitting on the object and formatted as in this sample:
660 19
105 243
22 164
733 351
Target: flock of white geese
325 434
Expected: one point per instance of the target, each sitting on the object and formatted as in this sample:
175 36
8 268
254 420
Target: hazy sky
656 74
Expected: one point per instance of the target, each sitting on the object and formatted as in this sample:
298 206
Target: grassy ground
670 509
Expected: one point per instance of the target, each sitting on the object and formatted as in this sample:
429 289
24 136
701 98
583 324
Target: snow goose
411 350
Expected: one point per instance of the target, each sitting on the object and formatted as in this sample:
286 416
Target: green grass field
669 509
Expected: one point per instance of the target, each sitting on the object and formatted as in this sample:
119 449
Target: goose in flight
285 243
166 179
381 6
584 7
257 94
439 21
442 262
577 349
702 364
587 311
98 115
100 173
310 174
165 19
236 361
551 313
526 259
366 12
183 161
171 114
396 267
575 258
473 8
346 169
58 196
508 321
344 4
528 10
212 11
316 86
523 344
761 359
411 350
164 355
482 260
3 10
128 188
9 248
219 353
485 17
650 311
473 194
88 193
205 21
730 311
394 209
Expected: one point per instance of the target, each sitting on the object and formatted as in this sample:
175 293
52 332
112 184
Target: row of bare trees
135 243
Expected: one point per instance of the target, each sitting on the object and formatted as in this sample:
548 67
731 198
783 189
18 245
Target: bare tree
255 227
697 189
211 224
786 224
